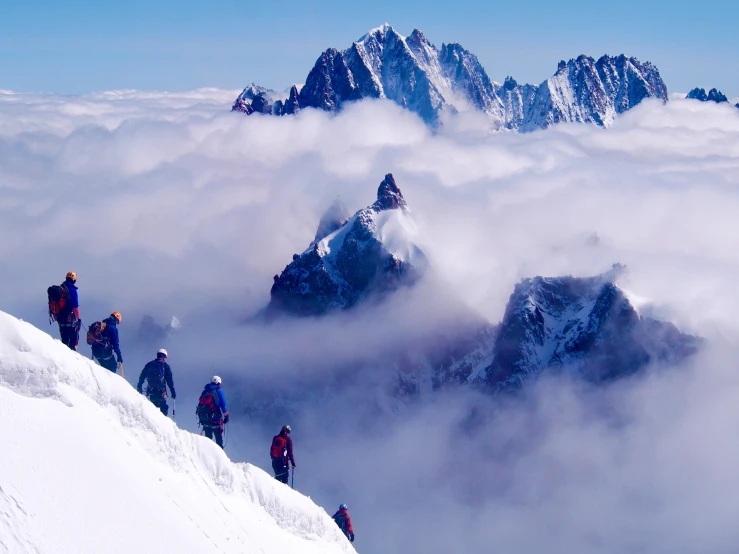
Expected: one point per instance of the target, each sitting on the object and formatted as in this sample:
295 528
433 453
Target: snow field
90 465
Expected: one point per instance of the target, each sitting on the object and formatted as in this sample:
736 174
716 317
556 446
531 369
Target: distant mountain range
433 82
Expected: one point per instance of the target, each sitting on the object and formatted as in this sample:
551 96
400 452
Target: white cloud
168 204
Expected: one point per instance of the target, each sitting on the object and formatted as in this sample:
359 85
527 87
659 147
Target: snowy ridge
89 465
371 252
412 72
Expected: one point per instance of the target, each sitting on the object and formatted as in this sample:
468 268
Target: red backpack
57 300
207 410
279 444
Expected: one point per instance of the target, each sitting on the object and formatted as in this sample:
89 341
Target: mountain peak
380 31
389 196
586 324
714 95
371 253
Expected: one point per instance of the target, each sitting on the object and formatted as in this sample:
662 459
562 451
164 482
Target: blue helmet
343 507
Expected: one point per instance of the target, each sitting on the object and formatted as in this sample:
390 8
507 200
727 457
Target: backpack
208 409
340 520
57 300
155 379
95 334
279 444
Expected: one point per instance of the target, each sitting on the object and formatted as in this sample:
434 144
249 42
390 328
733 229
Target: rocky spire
292 105
389 196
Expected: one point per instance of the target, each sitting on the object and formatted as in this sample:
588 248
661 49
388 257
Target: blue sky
82 45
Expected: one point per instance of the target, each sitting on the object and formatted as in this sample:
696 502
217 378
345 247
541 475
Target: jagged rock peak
586 324
389 196
714 95
510 83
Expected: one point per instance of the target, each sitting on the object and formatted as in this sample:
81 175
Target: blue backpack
155 379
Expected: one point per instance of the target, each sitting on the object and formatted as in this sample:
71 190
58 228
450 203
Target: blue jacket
219 393
110 337
153 387
73 300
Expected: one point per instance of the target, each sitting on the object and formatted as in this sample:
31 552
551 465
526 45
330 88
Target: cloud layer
167 204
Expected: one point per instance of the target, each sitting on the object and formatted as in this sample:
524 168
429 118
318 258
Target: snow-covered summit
583 325
372 252
415 74
89 465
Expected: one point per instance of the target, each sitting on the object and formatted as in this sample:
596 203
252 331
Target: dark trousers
70 335
214 431
108 363
160 402
281 469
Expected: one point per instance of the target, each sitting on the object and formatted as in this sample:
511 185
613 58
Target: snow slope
89 465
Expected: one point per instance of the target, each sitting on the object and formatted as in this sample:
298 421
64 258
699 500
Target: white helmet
162 351
216 380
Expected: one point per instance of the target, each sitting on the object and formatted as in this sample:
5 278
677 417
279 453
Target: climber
282 454
103 337
158 376
64 309
344 522
211 411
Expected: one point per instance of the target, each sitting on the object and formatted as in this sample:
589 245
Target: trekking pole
174 407
293 478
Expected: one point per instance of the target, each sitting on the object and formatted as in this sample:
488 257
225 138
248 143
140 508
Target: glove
225 417
174 395
351 537
293 467
78 325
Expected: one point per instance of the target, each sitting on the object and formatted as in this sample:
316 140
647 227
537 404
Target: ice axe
120 366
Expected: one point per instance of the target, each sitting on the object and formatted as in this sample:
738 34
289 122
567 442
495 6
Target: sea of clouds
167 204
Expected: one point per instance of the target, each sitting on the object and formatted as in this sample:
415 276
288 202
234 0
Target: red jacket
344 513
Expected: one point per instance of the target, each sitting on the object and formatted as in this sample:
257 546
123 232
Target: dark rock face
260 104
389 196
292 104
347 260
581 325
413 73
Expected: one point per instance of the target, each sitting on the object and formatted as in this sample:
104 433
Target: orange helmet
117 315
71 275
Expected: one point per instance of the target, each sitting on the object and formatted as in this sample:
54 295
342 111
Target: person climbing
103 337
64 308
158 376
344 522
282 454
211 411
